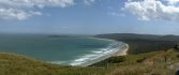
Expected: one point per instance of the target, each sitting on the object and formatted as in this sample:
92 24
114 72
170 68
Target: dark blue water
56 49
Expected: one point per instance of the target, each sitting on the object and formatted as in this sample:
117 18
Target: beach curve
120 49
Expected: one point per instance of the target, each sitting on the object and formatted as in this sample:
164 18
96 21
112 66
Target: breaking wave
100 54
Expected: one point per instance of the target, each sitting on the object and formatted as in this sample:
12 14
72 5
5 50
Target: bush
116 59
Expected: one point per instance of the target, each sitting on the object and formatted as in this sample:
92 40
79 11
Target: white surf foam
96 56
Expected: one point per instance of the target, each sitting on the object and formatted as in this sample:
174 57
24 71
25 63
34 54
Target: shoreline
122 51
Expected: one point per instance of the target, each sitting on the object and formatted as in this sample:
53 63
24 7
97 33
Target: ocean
64 50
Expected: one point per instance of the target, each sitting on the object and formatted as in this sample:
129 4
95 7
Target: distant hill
141 43
130 36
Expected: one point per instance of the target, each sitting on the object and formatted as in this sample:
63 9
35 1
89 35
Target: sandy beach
121 52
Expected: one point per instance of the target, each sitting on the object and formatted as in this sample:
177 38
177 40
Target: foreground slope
153 63
11 64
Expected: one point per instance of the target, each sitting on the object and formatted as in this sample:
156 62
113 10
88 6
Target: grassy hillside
140 43
153 63
11 64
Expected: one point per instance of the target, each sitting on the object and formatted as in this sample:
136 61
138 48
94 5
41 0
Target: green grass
11 64
153 63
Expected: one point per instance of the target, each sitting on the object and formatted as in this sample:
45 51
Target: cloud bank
23 9
154 9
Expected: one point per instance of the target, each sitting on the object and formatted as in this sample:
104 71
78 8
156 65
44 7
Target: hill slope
153 63
141 43
11 64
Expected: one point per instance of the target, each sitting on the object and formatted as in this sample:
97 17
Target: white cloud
88 2
36 3
172 1
23 9
16 14
153 9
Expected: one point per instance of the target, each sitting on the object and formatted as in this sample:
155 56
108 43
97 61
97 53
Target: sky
89 16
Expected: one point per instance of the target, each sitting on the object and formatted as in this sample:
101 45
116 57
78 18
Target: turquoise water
66 50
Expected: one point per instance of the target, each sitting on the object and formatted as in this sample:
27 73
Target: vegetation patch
153 63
